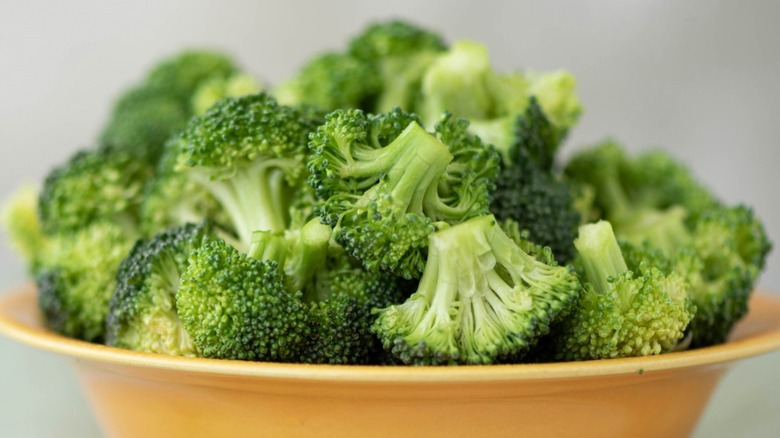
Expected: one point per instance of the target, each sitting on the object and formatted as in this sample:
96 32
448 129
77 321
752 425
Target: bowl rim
757 333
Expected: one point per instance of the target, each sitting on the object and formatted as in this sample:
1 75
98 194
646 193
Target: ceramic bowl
147 395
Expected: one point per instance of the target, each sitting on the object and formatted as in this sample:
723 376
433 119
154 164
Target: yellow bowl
146 395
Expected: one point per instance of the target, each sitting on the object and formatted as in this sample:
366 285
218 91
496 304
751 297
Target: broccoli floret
180 75
142 120
386 183
332 81
76 278
249 154
481 300
236 307
19 217
529 192
142 312
463 82
94 185
400 52
621 312
216 89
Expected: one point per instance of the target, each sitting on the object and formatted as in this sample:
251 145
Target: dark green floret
236 307
481 300
142 312
386 183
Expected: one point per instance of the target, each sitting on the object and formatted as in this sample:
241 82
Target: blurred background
698 78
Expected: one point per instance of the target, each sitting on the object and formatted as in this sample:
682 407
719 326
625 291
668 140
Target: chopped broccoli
94 185
249 154
621 312
19 217
236 307
76 278
331 81
142 312
529 192
481 300
400 52
386 184
180 75
218 88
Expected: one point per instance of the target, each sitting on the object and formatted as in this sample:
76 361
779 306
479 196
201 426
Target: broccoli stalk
621 312
481 300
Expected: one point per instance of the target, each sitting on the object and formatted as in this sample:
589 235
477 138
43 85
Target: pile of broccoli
397 202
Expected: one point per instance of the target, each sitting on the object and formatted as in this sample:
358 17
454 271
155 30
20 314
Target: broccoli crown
236 307
481 300
19 217
528 191
332 81
633 192
76 278
180 75
729 248
621 312
142 120
400 52
556 94
142 313
249 154
94 185
386 183
218 88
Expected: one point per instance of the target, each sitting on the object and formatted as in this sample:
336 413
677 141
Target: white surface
697 77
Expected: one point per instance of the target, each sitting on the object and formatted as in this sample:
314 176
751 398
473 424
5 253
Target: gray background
698 78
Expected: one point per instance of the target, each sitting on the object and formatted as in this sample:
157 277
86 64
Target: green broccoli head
181 74
142 312
386 183
528 191
142 120
76 278
249 154
236 307
94 185
331 81
621 312
400 52
481 300
20 219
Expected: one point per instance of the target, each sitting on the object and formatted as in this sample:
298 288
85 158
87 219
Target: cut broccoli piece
529 192
249 154
216 89
76 278
621 312
94 185
386 184
481 300
400 52
19 217
236 307
181 74
332 81
142 312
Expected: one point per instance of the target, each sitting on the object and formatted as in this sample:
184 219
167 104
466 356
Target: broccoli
236 307
400 52
481 300
180 75
463 82
249 154
142 313
332 81
94 185
75 278
218 88
529 192
621 312
19 218
386 184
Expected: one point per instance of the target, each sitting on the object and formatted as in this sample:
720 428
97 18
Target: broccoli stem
600 254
